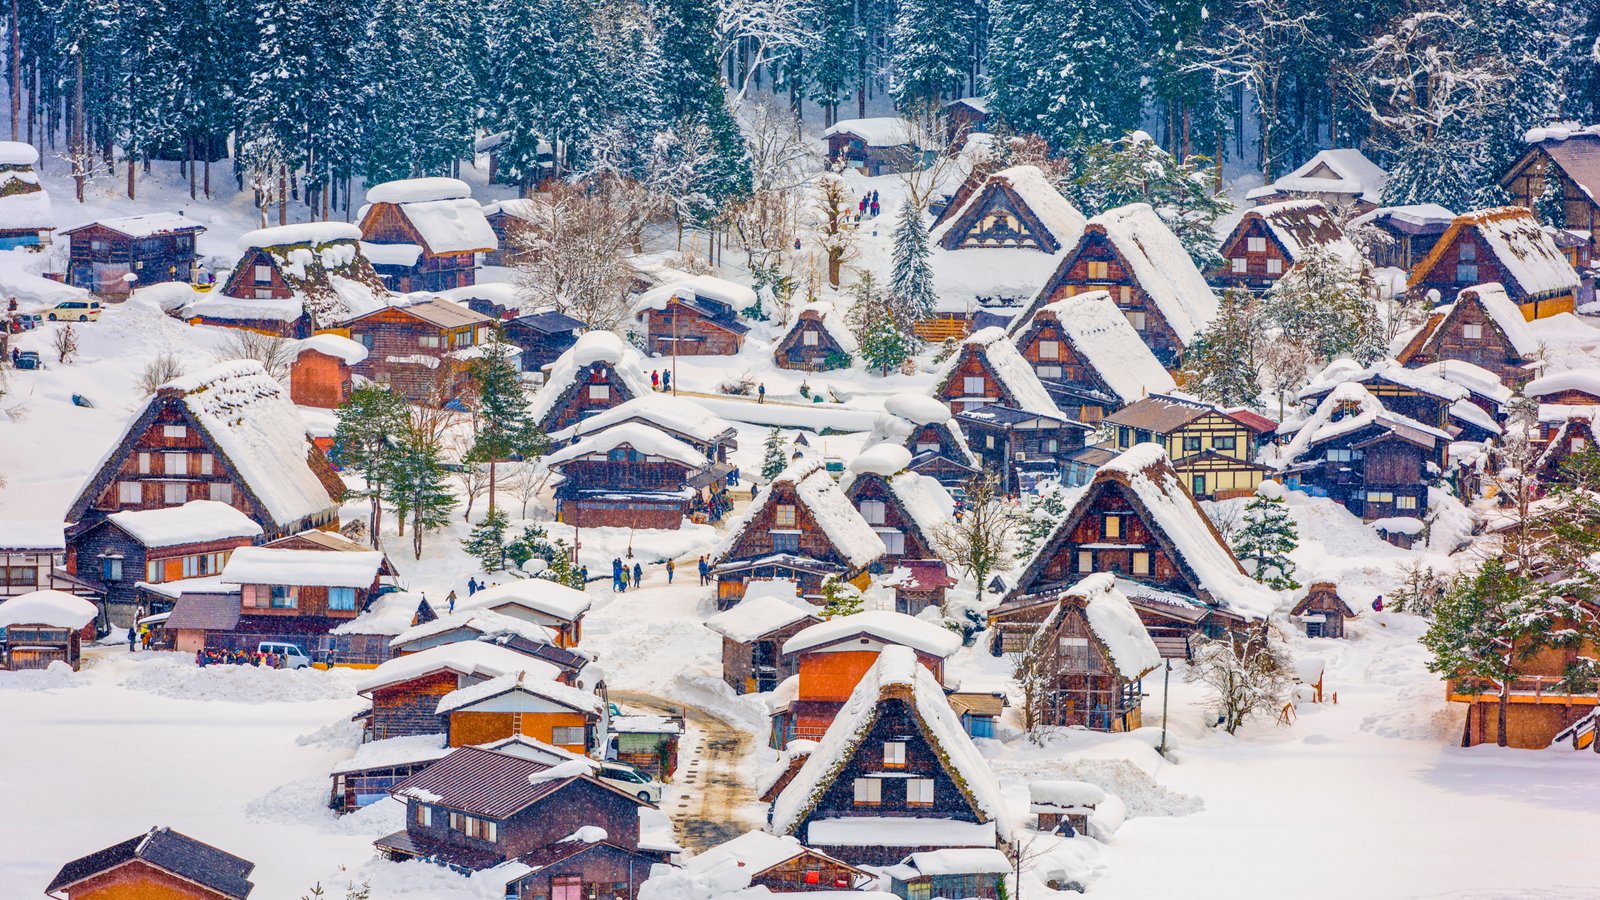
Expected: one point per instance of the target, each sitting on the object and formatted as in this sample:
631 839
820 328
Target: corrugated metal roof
482 782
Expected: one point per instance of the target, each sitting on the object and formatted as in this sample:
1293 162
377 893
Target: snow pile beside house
57 609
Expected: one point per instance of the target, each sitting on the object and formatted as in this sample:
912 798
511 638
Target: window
424 814
1405 503
191 566
221 492
129 493
342 598
175 432
1380 497
1197 485
431 341
1074 653
566 887
869 791
919 792
263 293
1274 266
809 339
1085 560
1135 318
207 463
783 515
472 826
1469 252
1141 563
1124 295
893 541
1113 527
1240 266
1048 373
263 274
872 511
175 463
1256 244
973 385
1467 273
152 571
174 493
111 568
567 735
1098 269
599 392
1191 444
144 463
785 542
1049 349
282 596
1230 442
1472 331
894 754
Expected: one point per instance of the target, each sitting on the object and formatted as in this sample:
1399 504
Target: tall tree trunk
283 194
193 143
208 171
79 151
1505 703
491 487
376 520
131 167
16 72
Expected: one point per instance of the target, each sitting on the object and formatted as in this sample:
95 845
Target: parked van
293 656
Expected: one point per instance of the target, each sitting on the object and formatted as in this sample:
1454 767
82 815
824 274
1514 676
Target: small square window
1472 331
973 385
1274 266
130 493
222 492
1141 563
1049 349
599 392
894 754
174 493
809 338
919 792
1240 265
869 791
1085 560
1256 244
1098 269
783 515
175 431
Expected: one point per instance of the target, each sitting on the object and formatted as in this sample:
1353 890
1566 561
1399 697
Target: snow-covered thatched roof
24 204
832 321
1114 623
670 413
1033 190
1015 376
1300 225
878 131
539 595
1351 407
1101 334
592 348
1158 261
852 538
1526 254
1338 171
441 210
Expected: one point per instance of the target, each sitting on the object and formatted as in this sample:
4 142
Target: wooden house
817 342
1089 357
926 427
1022 446
994 246
648 743
918 584
406 691
894 775
565 832
987 370
873 147
1341 178
1064 806
1403 235
422 349
134 547
633 476
46 627
779 864
1541 711
536 176
424 234
831 657
160 863
33 557
1372 460
378 766
1210 449
1322 612
679 418
1092 652
540 601
1569 405
599 372
517 703
1133 256
1409 392
293 281
1270 240
322 373
974 873
573 667
964 117
801 526
698 316
754 631
1136 521
542 336
226 433
153 248
1569 157
26 218
1505 245
1483 327
365 641
511 222
904 508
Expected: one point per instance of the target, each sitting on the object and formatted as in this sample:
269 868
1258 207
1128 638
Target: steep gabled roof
1113 621
761 614
178 854
1001 359
1337 171
925 503
143 226
1300 225
1158 261
1349 408
1526 254
674 415
1575 150
593 348
830 319
440 210
852 538
640 438
484 622
878 131
1100 334
1056 222
493 784
1500 310
895 675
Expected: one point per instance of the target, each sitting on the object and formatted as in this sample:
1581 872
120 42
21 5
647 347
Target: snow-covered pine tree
831 65
1221 366
911 278
932 41
1267 535
881 326
1320 306
694 97
504 429
1042 511
529 88
839 598
486 542
393 106
775 455
365 442
419 486
1134 169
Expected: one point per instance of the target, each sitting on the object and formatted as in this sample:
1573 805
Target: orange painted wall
832 676
483 727
138 881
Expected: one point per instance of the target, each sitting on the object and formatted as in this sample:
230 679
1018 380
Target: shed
962 872
1322 611
160 863
152 248
45 627
1341 177
779 864
1064 803
754 631
26 218
649 743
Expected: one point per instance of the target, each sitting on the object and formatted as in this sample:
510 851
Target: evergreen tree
932 42
1266 538
1221 366
693 97
1321 306
839 598
882 327
418 485
911 279
504 429
487 541
1042 511
831 66
1133 169
775 455
364 442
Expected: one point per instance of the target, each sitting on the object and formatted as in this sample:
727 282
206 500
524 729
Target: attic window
783 515
263 274
1098 269
809 338
1256 245
1274 266
175 431
1472 331
1049 349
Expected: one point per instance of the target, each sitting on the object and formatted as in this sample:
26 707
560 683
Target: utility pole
1166 683
670 304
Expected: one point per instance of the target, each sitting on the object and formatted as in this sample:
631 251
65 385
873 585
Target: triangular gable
998 203
1323 170
1019 388
885 492
851 541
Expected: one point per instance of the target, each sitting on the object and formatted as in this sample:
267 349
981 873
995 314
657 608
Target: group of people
140 636
869 203
661 379
203 658
620 580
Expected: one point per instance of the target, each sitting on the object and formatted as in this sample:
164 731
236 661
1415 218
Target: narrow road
707 797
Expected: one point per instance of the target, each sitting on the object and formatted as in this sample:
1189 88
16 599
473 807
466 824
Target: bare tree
274 352
1245 677
65 343
751 30
832 218
158 371
263 166
1030 671
474 481
524 484
766 223
573 251
982 539
926 132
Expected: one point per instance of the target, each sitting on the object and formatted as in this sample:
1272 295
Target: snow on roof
32 534
709 287
1347 408
320 568
553 691
403 255
955 861
1416 215
192 523
919 409
1337 171
16 153
1114 622
334 345
306 233
1345 370
176 590
1101 333
479 659
1300 225
645 724
754 851
1524 250
415 190
1161 266
880 459
642 438
57 609
390 613
1009 368
1585 380
29 209
592 347
452 226
1559 131
1054 211
1475 379
1048 796
677 414
925 500
896 672
816 490
538 594
1506 315
147 225
832 322
1471 413
892 628
879 131
885 831
223 308
755 616
247 414
483 621
395 751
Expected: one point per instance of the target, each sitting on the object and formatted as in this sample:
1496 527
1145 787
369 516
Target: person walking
624 579
669 571
133 635
451 600
616 575
666 380
761 392
638 575
583 575
655 380
705 572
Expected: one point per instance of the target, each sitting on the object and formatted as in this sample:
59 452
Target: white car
293 656
74 311
632 780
